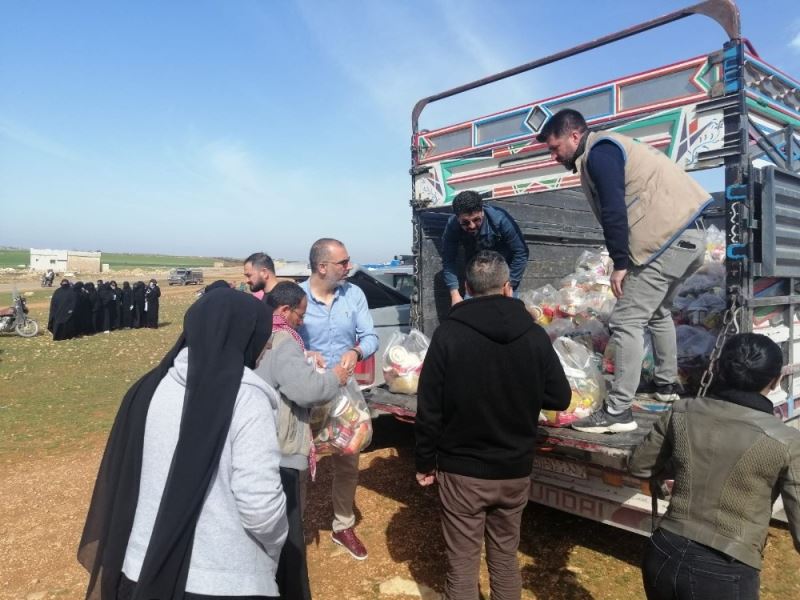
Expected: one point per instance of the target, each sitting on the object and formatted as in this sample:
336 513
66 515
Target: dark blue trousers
676 568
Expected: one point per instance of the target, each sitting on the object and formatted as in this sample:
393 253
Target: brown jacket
662 200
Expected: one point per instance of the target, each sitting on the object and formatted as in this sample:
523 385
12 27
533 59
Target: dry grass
57 401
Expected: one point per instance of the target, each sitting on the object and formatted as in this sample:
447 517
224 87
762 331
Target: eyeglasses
342 263
466 222
299 315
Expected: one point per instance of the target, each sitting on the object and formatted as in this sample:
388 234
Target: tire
28 328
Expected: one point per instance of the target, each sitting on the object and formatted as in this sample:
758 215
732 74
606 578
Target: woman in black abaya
224 334
127 305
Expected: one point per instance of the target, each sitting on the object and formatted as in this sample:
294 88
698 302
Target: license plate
562 467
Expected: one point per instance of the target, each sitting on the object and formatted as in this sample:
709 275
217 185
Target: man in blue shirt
338 327
478 227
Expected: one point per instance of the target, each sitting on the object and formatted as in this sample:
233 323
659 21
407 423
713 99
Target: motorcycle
47 279
15 319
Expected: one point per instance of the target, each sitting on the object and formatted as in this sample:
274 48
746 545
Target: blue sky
220 128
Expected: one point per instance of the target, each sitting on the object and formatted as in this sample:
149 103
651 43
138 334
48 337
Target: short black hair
260 260
748 362
285 293
467 202
487 271
561 123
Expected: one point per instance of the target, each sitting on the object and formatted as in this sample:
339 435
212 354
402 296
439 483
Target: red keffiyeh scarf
281 324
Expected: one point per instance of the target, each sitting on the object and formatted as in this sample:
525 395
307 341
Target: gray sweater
242 525
301 387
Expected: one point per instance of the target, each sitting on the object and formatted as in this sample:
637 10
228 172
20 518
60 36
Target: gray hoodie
242 525
285 368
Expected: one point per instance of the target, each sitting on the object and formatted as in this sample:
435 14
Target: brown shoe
351 543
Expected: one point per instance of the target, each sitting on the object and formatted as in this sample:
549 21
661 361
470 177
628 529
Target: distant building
61 261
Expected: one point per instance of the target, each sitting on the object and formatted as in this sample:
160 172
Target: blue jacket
498 232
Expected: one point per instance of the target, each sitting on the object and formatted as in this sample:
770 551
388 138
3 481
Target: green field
14 257
132 261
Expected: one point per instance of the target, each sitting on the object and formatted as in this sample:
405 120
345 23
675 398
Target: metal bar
762 139
772 301
724 12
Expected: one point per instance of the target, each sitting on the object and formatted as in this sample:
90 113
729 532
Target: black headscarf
225 331
219 283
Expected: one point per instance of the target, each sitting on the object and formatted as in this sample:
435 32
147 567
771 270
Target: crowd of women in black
85 308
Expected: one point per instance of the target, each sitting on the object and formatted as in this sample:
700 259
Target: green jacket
729 462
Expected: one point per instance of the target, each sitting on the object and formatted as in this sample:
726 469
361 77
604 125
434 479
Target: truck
185 276
728 110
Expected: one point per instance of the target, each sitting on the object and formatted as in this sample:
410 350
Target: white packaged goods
402 361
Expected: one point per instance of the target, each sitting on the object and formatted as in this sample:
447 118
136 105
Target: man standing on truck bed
338 327
478 227
651 214
488 372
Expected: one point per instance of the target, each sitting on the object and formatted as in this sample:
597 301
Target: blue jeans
676 568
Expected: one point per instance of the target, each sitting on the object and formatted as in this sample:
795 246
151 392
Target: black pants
676 568
292 574
126 588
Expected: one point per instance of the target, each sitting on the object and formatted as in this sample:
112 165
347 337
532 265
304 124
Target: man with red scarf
301 387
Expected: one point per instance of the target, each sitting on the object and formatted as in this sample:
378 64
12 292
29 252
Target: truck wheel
27 328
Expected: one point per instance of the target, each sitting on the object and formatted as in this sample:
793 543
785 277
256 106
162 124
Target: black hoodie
488 372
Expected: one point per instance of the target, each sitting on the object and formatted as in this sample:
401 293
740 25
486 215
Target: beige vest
662 200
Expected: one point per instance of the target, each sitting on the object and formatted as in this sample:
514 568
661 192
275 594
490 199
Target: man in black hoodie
488 372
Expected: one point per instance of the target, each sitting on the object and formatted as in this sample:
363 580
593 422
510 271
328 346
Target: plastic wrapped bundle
715 244
570 301
344 425
541 303
585 380
598 263
706 310
402 361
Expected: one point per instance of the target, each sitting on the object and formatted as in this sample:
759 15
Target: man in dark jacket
477 227
488 372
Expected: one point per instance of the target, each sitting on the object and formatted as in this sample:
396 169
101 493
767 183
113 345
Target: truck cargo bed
611 450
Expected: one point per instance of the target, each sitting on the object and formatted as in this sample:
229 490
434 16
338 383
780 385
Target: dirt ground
45 487
44 502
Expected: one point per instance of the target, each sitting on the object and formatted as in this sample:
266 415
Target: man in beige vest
651 214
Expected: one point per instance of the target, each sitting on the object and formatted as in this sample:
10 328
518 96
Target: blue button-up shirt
335 329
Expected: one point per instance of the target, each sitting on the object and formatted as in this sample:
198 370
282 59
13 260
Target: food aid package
598 263
402 361
585 380
342 426
541 303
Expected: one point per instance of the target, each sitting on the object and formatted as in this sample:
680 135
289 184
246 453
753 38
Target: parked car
182 276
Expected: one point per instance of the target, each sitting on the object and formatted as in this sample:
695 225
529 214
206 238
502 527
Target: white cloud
34 140
236 168
397 53
795 43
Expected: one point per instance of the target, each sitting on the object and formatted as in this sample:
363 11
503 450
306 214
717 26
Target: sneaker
604 422
668 393
351 543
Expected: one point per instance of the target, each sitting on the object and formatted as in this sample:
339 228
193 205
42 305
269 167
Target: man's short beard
258 286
